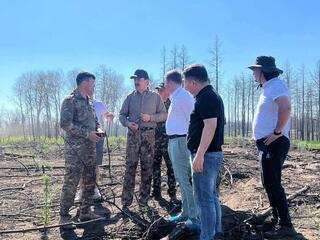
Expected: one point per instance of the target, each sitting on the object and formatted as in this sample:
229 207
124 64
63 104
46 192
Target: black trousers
272 159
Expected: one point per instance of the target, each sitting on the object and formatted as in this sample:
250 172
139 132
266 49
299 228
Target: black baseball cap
140 73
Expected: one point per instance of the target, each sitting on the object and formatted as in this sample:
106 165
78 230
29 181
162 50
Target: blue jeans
181 163
207 196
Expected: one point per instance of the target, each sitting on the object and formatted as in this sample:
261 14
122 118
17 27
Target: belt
146 128
176 136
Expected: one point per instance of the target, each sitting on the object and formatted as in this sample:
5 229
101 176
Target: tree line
37 95
37 98
241 93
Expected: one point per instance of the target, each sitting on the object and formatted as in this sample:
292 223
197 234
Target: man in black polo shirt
205 138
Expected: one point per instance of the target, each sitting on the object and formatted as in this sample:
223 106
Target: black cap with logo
140 73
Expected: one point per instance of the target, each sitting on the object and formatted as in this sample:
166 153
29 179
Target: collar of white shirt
175 92
269 81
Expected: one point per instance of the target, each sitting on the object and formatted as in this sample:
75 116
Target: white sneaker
97 195
78 197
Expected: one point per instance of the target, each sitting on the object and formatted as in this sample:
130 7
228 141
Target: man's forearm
283 118
206 136
159 117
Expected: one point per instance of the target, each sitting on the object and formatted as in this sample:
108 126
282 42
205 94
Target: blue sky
125 35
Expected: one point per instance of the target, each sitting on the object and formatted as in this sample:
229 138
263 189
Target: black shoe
281 232
262 223
270 224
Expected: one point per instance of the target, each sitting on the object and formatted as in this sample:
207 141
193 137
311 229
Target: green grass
47 144
301 145
306 145
116 142
240 141
28 140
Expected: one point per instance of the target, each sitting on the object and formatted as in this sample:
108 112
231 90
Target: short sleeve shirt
266 113
208 105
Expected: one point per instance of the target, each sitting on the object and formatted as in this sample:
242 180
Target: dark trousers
272 159
161 152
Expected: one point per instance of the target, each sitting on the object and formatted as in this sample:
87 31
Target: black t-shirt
208 105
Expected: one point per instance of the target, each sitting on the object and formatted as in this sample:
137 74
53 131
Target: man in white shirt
182 104
271 127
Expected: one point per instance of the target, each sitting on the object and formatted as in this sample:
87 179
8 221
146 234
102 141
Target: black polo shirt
208 105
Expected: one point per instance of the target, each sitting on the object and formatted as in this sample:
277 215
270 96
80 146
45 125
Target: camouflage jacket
148 102
161 126
77 117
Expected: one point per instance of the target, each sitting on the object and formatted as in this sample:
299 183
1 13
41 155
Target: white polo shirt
182 104
266 113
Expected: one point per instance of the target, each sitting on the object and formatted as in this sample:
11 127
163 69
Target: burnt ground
22 193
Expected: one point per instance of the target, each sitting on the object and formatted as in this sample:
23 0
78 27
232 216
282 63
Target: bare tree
316 81
243 106
216 61
53 89
302 120
174 57
287 73
70 79
184 59
38 91
229 112
287 76
164 62
18 99
28 80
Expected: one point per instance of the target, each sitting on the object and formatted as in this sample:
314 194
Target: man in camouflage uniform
79 122
161 151
140 112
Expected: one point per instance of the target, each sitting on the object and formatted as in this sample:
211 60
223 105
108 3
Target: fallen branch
52 226
230 174
16 155
31 167
266 212
32 175
11 188
25 167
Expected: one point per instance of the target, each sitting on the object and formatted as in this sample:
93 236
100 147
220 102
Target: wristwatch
277 133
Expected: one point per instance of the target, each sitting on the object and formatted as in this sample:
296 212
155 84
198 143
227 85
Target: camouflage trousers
161 152
140 147
80 161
